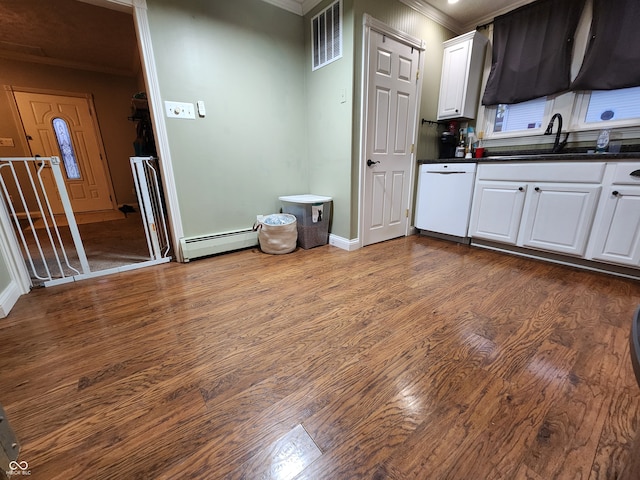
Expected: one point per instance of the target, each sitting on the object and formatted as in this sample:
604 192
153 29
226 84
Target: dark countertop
531 157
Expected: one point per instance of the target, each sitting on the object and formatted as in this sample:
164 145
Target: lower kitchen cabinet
585 210
616 233
558 217
497 211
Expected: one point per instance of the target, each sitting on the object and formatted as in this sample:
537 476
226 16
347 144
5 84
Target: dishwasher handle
444 173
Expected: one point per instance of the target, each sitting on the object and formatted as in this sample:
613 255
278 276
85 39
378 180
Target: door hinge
406 214
413 146
417 75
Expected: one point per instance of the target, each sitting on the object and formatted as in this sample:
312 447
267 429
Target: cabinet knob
521 189
615 193
537 189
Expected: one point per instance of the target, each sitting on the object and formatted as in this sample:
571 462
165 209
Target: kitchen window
610 108
581 111
588 107
519 116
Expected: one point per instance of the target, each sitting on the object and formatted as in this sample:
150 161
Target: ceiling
73 34
79 34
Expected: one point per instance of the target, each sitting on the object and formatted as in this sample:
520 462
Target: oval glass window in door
69 160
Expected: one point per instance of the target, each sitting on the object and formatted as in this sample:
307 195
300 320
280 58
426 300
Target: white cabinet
462 63
497 210
616 232
559 216
537 205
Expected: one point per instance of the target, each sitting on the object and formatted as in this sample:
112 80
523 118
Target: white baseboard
8 298
343 243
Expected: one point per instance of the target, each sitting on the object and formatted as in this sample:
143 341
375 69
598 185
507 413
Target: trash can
313 214
277 233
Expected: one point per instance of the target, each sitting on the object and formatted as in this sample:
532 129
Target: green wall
334 128
273 126
330 123
245 60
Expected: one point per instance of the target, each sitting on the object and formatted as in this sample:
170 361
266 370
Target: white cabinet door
497 210
462 67
558 217
617 234
454 80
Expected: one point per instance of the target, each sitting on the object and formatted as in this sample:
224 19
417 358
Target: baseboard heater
205 245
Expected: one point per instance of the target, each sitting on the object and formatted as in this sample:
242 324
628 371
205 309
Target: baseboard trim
343 243
8 298
617 270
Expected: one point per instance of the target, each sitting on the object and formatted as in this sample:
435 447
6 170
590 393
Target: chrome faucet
557 145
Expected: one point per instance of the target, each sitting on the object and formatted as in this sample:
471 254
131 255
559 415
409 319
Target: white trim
435 15
345 244
108 271
489 18
9 297
11 253
540 256
308 5
369 24
120 5
289 5
143 33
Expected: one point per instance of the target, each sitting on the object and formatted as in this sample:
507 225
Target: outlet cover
180 110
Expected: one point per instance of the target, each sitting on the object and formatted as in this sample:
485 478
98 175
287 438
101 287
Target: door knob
371 162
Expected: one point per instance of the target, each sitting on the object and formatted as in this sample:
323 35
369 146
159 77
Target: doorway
64 126
393 61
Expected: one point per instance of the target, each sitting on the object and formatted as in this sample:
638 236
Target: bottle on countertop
602 144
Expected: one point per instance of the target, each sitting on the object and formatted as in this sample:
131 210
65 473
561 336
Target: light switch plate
179 110
201 110
6 142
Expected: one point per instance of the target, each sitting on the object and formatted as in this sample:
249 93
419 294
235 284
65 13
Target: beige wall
112 99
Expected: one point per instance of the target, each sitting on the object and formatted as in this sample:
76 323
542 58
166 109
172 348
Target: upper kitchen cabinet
461 75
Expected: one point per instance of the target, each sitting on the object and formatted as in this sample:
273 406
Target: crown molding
119 5
497 13
435 15
308 5
289 5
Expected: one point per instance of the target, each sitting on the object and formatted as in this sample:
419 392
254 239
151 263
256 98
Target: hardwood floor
411 359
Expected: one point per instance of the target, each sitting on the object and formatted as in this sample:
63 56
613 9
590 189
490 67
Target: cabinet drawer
623 175
566 172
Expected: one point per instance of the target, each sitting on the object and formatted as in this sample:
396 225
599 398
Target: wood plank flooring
410 359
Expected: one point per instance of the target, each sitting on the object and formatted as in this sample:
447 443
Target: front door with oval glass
62 126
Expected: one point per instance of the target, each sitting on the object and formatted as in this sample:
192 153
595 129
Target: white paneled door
63 126
390 129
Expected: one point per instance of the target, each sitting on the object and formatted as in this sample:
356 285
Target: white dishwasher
443 203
